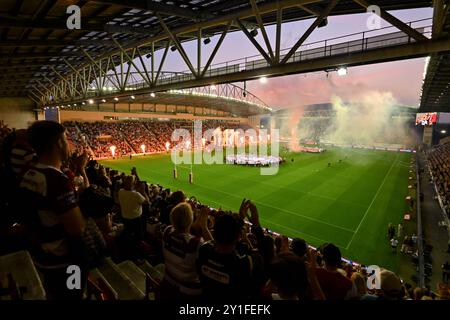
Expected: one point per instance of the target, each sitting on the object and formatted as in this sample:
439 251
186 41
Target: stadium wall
155 108
17 112
74 115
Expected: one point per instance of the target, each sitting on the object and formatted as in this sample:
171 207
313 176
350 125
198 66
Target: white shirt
130 203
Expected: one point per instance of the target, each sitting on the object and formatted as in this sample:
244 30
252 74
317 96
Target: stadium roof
435 91
35 43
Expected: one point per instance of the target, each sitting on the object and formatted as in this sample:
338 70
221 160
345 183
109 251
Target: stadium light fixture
254 33
173 48
207 41
83 103
132 97
91 101
103 100
152 95
148 56
342 71
213 87
443 132
74 104
68 105
263 80
116 99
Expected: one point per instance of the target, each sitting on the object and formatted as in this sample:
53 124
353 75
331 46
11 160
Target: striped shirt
50 194
180 255
20 159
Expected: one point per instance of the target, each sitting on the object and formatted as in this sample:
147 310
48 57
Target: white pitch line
285 211
373 200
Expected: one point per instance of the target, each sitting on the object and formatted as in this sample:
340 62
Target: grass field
349 204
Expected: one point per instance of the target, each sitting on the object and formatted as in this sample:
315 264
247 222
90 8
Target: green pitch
349 204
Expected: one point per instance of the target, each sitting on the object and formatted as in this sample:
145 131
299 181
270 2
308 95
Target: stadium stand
59 225
128 136
439 164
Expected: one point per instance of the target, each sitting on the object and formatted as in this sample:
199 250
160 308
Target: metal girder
60 24
157 7
395 22
216 48
71 86
163 59
19 65
32 55
308 32
439 15
406 51
218 21
262 28
178 45
130 60
254 42
224 19
278 34
53 43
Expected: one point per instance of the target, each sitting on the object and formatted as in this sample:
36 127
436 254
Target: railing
355 42
420 239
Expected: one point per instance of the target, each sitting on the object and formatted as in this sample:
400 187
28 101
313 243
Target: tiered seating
129 136
439 164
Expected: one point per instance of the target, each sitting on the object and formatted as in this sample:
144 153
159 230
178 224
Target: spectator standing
131 202
53 217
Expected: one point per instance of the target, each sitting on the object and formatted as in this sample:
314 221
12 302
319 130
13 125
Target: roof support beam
262 28
395 22
60 24
254 42
216 48
310 30
178 46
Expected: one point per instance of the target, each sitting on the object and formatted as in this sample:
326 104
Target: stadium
217 150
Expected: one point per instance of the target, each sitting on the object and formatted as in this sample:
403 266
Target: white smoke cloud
365 119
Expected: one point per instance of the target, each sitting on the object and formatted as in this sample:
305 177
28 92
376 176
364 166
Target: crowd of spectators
439 164
128 136
72 210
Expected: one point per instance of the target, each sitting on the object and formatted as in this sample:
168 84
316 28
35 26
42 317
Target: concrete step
156 273
120 282
97 275
132 271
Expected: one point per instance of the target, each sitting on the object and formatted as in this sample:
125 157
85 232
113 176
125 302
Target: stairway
127 280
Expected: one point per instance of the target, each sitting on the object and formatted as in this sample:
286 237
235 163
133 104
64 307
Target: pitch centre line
373 200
